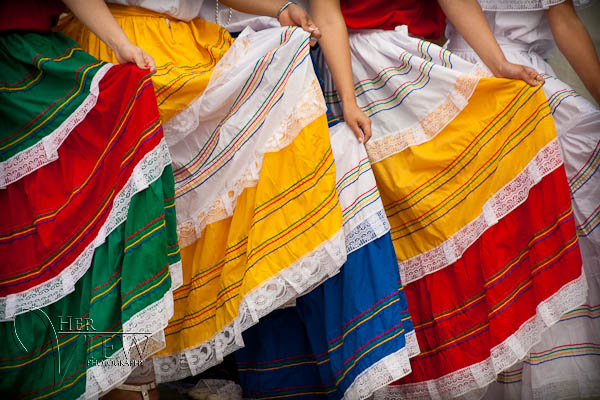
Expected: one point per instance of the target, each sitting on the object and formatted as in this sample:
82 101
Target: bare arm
575 43
292 15
334 43
95 15
468 18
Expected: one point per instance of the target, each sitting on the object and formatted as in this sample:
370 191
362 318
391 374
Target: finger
138 59
356 130
315 32
149 61
304 23
366 128
540 79
534 76
528 78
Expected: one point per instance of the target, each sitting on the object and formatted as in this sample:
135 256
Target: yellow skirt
272 232
185 52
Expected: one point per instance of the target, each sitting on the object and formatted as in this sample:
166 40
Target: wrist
284 10
500 68
348 101
118 43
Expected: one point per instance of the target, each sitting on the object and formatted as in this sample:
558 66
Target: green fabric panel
45 77
129 272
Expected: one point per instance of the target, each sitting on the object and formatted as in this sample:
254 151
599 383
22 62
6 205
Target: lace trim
176 272
185 122
518 5
433 123
370 229
46 150
382 373
148 170
365 232
412 344
498 206
304 112
502 356
105 375
216 389
571 389
294 281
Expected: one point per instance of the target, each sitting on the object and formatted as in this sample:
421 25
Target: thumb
356 130
304 23
366 129
149 62
138 58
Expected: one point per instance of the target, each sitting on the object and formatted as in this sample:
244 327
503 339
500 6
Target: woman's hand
517 71
294 15
359 122
94 14
128 52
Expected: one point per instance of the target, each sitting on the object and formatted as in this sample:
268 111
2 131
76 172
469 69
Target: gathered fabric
465 165
353 334
89 247
565 364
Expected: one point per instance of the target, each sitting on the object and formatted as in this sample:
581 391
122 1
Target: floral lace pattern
309 108
152 320
412 345
46 150
186 121
310 271
148 170
432 124
502 356
382 373
176 272
370 229
499 205
512 5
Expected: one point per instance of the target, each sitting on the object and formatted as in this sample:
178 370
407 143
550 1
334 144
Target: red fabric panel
424 18
58 210
469 307
36 15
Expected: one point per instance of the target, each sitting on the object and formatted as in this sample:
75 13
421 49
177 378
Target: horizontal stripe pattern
101 174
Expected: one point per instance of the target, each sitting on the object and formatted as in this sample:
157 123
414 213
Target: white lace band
46 150
148 170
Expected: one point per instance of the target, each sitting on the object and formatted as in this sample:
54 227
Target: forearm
469 20
575 43
95 15
268 8
334 43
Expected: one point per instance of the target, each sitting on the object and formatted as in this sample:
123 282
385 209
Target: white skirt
566 363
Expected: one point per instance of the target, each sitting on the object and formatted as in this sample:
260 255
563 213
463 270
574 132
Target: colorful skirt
473 184
566 363
89 246
258 215
352 335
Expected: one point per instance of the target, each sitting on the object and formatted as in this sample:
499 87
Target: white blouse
180 9
515 31
531 5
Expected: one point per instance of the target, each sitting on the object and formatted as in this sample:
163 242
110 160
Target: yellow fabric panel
432 190
293 209
185 52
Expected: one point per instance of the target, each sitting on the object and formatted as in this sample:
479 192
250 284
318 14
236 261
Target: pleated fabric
473 184
566 362
259 220
351 335
89 242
